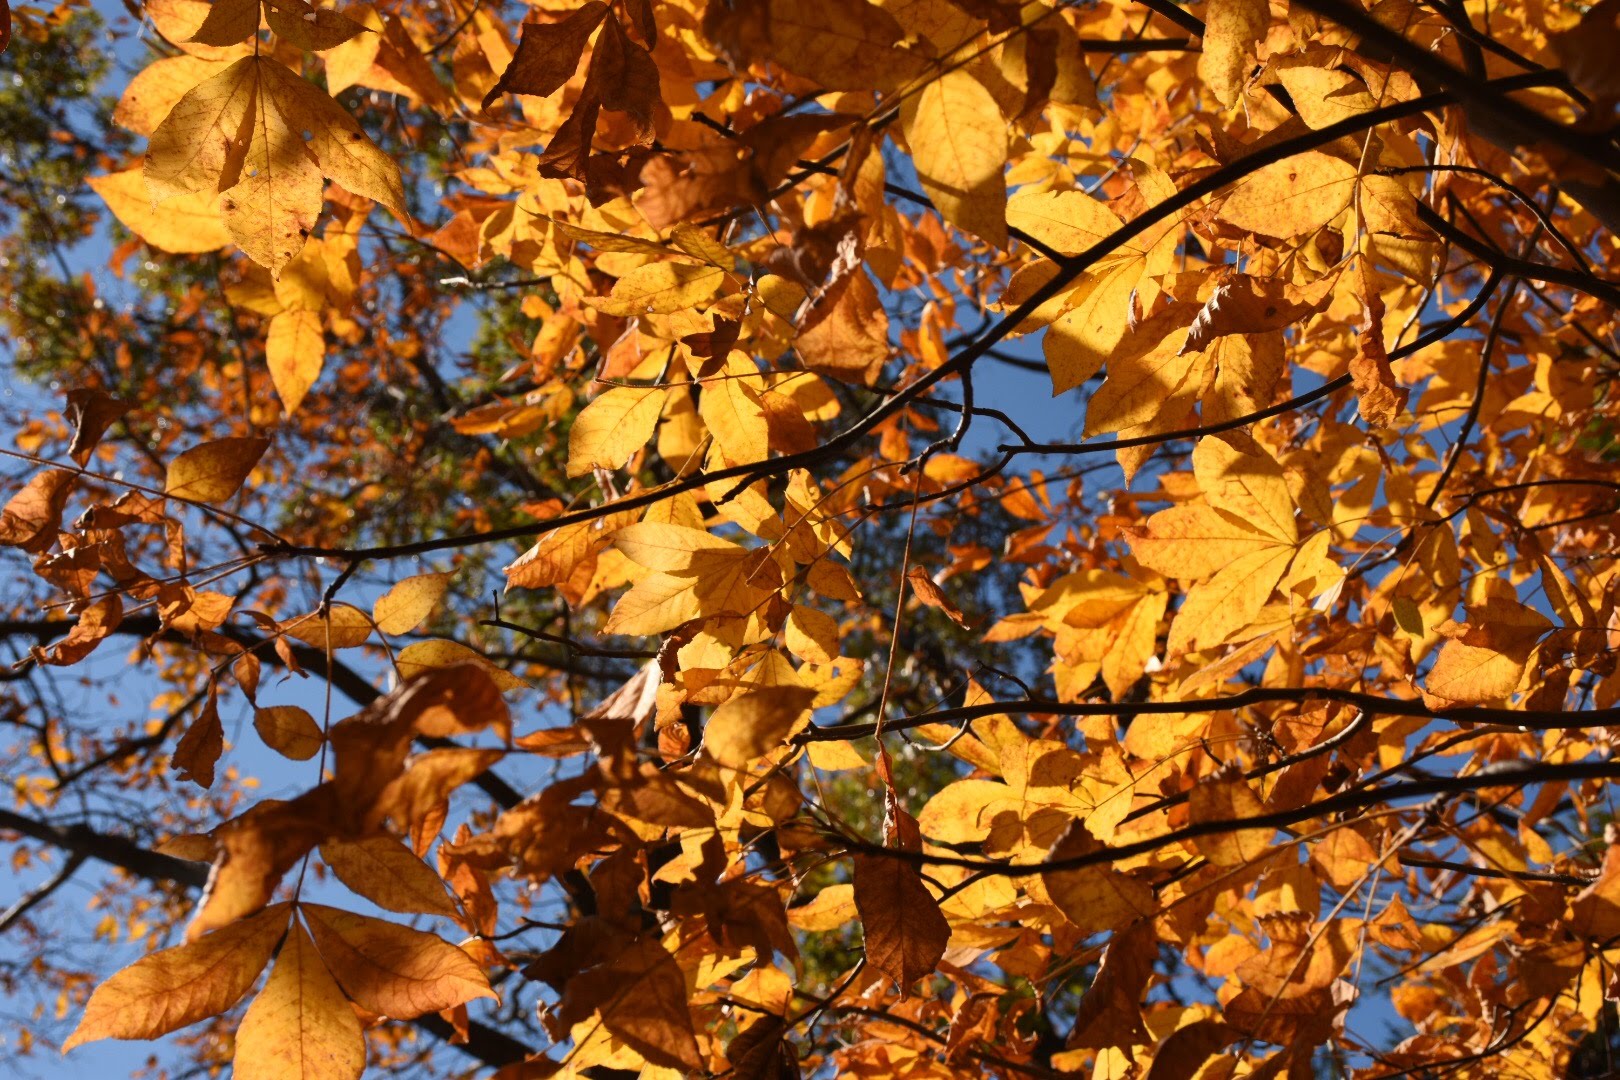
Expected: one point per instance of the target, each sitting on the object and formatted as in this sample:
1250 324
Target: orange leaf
300 1027
391 969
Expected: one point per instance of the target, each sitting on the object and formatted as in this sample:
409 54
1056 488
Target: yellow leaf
344 627
1094 898
811 635
675 549
1238 475
300 1027
656 603
212 472
958 143
752 724
175 987
840 44
1195 541
1474 674
1145 370
423 656
1228 798
295 350
1066 221
1292 197
390 969
187 225
404 606
389 874
1232 28
960 813
831 909
1217 609
242 133
289 730
731 409
659 288
149 96
612 427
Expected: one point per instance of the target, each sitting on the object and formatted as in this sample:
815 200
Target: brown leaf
91 413
931 594
845 333
290 731
641 997
904 932
175 987
391 969
1379 398
548 53
1110 1013
389 874
199 748
30 520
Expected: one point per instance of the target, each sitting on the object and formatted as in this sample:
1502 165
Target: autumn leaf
198 750
904 933
387 873
289 730
391 969
175 987
300 1025
754 723
1292 197
214 471
959 144
1096 897
409 602
612 427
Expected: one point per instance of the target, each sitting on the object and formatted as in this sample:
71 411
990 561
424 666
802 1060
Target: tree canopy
794 538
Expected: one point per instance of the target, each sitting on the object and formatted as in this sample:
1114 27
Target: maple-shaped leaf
300 1027
243 133
175 987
